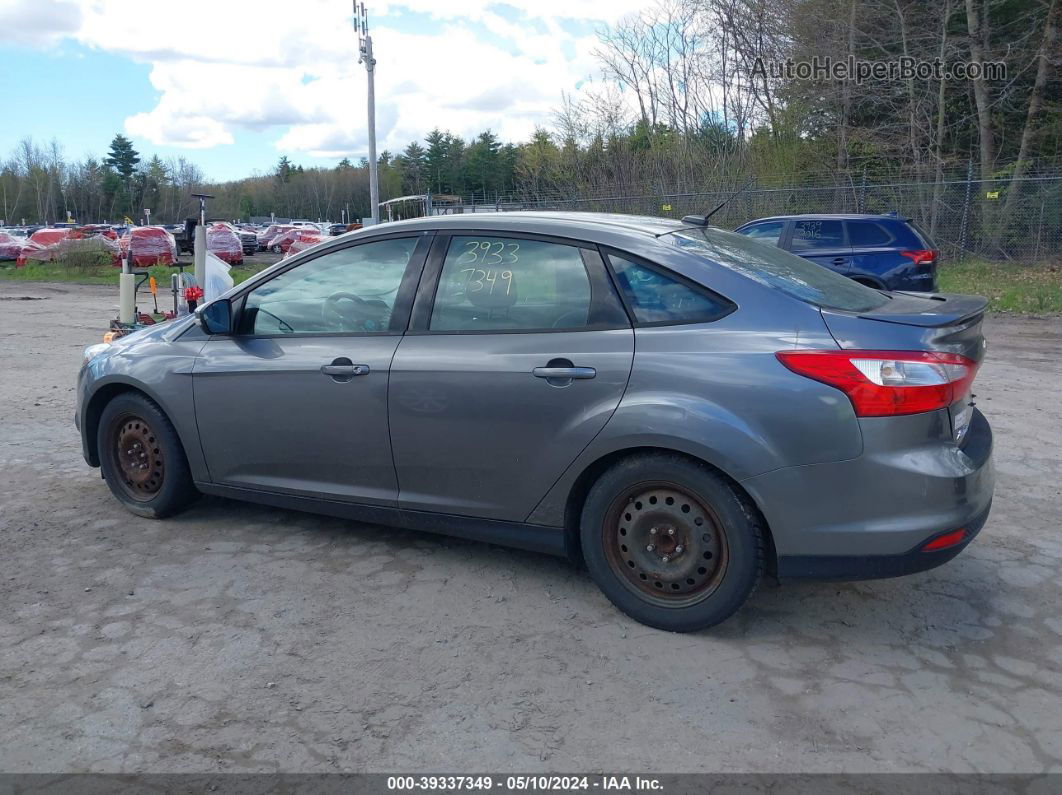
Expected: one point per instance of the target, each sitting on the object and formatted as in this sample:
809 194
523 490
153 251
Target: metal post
361 20
964 227
147 217
199 252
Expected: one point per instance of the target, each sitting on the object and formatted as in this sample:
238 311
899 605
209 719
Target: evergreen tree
435 159
284 170
482 164
122 157
413 169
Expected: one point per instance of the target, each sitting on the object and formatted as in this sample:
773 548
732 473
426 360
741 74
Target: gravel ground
242 638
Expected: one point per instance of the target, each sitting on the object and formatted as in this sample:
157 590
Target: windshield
770 266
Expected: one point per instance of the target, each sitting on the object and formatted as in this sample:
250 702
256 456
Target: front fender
159 368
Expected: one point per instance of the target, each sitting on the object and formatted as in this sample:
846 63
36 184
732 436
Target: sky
235 84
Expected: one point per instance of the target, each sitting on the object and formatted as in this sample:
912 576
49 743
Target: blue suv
887 252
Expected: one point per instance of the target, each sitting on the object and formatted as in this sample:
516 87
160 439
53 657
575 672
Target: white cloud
39 23
222 67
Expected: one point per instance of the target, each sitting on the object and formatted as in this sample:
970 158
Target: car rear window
925 239
772 267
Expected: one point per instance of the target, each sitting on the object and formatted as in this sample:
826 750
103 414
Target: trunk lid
942 323
914 322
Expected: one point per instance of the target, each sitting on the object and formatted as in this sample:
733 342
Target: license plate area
961 412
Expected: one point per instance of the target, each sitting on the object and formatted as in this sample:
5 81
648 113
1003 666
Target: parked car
224 243
41 245
151 245
667 401
302 239
282 242
341 229
887 252
183 235
10 246
269 233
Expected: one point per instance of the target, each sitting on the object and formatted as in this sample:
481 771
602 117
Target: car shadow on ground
962 602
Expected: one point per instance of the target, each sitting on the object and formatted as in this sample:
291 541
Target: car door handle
345 369
564 372
840 260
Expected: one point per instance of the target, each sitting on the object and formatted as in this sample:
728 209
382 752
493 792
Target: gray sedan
681 409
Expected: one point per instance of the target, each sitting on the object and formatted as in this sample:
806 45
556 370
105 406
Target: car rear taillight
921 256
887 383
945 541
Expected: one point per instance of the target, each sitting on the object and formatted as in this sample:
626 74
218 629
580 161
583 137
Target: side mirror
216 317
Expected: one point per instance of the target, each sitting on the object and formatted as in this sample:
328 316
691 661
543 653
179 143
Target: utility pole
361 23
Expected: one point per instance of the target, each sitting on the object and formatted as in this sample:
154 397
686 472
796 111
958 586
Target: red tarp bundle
41 245
284 240
10 246
303 240
225 244
152 245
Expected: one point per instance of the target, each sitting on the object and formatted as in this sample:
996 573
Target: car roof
544 221
832 217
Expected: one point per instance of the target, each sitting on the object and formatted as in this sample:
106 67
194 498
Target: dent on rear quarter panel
717 392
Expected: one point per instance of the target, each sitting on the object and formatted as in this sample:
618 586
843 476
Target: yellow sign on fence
992 194
665 207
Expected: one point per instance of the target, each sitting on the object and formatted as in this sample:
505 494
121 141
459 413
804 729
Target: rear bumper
874 567
869 516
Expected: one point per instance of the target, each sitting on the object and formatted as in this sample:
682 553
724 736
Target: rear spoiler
930 310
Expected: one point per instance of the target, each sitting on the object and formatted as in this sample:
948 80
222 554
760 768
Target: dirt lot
241 638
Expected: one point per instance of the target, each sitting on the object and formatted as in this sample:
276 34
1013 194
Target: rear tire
142 458
671 542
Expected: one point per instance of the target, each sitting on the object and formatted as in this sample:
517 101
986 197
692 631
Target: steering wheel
363 315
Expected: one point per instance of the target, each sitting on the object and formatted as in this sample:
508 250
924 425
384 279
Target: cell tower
361 24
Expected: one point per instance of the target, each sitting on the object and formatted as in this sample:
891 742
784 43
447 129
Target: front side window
657 298
809 235
351 290
498 284
769 232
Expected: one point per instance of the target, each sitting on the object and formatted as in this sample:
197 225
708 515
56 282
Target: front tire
671 542
142 458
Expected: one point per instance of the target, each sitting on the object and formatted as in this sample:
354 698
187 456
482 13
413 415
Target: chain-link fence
966 217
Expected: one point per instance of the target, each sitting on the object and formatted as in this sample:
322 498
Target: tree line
682 100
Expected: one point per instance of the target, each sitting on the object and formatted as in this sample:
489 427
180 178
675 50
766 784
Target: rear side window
812 234
768 232
868 233
499 284
657 298
780 270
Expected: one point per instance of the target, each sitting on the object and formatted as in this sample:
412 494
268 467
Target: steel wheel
665 544
138 456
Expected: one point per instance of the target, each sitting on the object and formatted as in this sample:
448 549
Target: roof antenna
702 220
